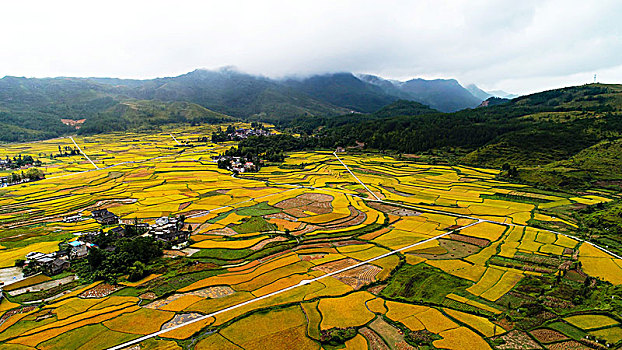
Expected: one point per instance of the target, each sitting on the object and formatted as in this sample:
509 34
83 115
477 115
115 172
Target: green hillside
147 114
571 130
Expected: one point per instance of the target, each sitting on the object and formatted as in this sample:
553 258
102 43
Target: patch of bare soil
360 276
375 290
310 257
317 197
391 335
183 206
173 253
471 240
335 265
99 291
517 340
291 203
373 339
222 232
296 212
544 335
148 296
180 319
450 249
305 228
571 345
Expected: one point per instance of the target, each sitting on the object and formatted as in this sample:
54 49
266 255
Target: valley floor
326 250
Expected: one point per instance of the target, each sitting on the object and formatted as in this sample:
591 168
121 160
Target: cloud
519 46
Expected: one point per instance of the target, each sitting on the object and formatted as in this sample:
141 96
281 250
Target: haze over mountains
34 107
484 95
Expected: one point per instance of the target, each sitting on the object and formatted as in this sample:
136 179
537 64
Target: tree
34 174
137 271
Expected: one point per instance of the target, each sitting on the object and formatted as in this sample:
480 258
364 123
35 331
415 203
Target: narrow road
175 139
84 154
357 179
302 283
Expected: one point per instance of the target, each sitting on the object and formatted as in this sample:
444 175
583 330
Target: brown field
545 335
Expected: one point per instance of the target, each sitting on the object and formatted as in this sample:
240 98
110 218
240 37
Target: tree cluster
31 174
19 161
129 255
66 151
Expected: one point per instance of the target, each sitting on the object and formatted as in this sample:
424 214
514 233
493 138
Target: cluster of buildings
170 230
102 216
56 262
245 133
236 164
165 229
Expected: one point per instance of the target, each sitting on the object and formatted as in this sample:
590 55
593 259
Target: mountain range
32 108
484 95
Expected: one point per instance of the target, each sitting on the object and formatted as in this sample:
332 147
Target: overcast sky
518 46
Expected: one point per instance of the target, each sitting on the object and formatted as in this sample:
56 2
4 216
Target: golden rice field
287 255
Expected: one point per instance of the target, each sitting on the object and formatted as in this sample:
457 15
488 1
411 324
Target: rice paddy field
306 254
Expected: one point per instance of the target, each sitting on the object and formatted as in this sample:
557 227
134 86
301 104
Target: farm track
84 154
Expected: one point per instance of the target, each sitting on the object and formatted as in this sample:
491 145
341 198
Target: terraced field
303 254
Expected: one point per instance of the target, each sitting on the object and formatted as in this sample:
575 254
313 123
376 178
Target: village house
237 164
57 266
169 230
104 217
50 264
39 258
73 218
78 250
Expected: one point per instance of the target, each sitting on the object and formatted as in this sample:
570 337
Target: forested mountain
310 125
234 93
445 95
558 131
136 115
345 90
33 108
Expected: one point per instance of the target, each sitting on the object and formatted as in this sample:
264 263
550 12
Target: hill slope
573 125
146 114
